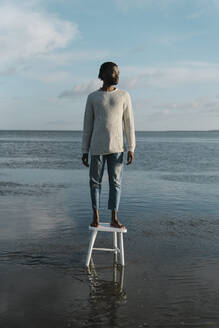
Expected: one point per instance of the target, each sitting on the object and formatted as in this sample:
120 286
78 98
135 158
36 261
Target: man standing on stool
107 109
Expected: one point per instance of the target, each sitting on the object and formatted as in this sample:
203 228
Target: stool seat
106 227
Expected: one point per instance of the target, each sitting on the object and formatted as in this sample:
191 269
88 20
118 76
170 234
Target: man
107 109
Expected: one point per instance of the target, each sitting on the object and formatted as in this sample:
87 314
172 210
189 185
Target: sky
166 51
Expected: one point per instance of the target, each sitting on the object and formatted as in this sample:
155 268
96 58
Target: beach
169 205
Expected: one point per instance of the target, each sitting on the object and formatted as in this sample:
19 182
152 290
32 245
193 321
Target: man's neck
107 87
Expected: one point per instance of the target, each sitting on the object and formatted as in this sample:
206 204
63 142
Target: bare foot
94 224
117 224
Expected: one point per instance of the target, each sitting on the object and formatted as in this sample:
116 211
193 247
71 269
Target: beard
113 81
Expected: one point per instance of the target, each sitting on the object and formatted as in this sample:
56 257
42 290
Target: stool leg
91 245
115 244
122 260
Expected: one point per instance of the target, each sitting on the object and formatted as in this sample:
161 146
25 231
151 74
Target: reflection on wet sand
106 296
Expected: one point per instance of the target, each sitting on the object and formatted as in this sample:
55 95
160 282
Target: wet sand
171 251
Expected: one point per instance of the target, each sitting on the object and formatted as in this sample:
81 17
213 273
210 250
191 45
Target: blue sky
166 50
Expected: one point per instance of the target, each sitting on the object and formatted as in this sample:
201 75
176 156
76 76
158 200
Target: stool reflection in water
103 291
105 227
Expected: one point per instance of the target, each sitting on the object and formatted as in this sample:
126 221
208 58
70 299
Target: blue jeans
115 170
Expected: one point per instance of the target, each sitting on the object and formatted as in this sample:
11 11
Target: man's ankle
114 215
95 213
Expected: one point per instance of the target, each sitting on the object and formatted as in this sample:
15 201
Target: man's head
109 73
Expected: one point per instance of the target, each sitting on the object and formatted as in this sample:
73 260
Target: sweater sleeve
87 126
128 119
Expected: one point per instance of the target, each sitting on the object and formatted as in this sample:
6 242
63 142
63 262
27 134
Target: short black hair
104 67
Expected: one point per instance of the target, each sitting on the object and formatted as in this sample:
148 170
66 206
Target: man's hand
130 157
85 159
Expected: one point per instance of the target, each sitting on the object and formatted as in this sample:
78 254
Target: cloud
196 14
125 5
27 33
196 106
200 6
160 77
13 69
169 76
199 113
50 77
207 106
81 89
169 39
69 56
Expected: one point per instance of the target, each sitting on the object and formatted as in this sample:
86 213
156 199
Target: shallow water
171 249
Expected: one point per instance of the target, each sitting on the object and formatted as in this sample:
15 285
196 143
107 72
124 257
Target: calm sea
185 153
169 205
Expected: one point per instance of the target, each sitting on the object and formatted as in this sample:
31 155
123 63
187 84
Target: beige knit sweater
106 113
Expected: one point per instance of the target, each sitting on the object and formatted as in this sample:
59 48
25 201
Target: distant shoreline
160 131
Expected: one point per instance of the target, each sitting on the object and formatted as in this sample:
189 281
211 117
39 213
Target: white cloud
27 33
195 114
50 77
81 89
169 76
196 14
67 57
171 39
197 106
200 5
125 5
160 77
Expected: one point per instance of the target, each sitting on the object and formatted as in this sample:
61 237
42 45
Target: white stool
105 227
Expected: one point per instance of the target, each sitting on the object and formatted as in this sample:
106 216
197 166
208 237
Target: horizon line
38 130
